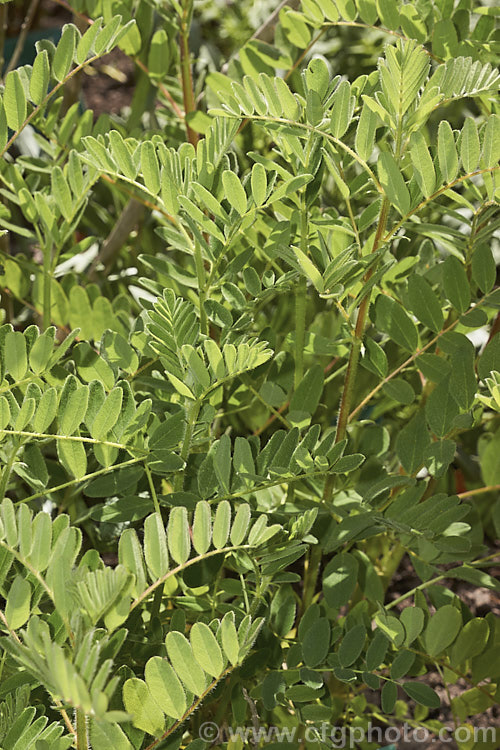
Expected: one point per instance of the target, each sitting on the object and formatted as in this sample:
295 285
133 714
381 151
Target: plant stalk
186 74
352 367
82 742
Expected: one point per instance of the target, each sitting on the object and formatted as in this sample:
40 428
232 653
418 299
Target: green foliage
249 363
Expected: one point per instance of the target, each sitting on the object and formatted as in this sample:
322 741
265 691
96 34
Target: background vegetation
249 370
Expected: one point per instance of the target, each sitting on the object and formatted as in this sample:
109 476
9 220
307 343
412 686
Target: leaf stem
480 491
153 489
300 330
47 284
4 480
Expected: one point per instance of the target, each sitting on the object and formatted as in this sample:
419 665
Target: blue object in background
28 53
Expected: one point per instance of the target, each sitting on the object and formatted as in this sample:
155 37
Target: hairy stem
82 742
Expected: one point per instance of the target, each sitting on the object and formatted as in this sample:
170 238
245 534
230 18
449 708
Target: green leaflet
40 77
339 580
425 303
343 107
72 456
447 152
491 142
393 320
165 686
229 638
413 620
365 132
145 712
17 609
63 56
159 55
234 192
316 642
393 183
411 443
155 546
442 629
150 167
178 535
14 100
422 164
181 655
422 694
352 645
455 283
206 650
389 697
202 527
470 148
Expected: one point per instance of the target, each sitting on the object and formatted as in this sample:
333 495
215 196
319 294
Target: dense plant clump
250 370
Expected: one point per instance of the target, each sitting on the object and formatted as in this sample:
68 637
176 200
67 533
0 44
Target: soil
480 601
